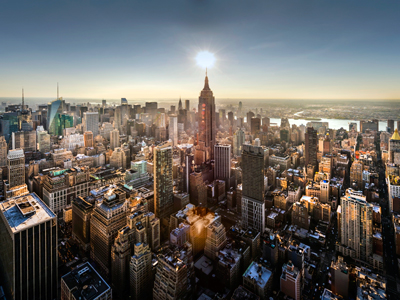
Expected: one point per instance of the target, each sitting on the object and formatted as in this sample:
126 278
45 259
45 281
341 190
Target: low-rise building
84 282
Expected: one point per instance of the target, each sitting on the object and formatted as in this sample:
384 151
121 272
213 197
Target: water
333 123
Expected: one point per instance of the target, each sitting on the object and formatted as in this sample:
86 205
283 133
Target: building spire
23 100
206 87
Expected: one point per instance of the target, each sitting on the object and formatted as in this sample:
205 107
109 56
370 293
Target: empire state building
207 124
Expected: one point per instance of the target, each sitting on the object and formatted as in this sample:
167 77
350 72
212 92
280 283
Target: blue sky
289 49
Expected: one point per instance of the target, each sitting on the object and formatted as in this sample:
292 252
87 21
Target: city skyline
263 49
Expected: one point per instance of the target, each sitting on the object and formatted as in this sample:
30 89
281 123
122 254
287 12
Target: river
333 123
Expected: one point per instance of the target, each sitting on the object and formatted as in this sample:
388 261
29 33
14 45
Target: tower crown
396 135
206 87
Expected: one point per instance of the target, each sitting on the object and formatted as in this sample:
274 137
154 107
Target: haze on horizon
146 49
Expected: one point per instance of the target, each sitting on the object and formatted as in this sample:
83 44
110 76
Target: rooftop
16 153
258 273
85 283
243 294
25 211
204 264
328 295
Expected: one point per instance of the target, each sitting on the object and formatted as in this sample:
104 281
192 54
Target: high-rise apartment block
28 251
16 167
356 225
222 163
253 206
291 281
91 122
163 180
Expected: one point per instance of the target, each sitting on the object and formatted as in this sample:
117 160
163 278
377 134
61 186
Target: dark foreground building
28 248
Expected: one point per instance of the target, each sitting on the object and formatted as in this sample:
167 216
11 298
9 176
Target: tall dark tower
311 143
207 124
180 107
23 100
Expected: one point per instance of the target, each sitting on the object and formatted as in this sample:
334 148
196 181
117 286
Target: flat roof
258 273
204 264
86 282
25 211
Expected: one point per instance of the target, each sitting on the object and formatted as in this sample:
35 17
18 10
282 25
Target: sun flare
205 59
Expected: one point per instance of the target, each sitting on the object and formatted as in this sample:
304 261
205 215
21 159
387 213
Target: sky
278 49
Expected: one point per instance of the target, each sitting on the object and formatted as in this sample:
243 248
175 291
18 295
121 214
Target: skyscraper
140 272
222 163
173 130
207 121
187 105
54 111
43 140
311 144
120 256
255 125
216 239
356 173
163 180
253 206
238 141
356 227
180 107
171 278
114 139
390 125
91 122
3 151
16 167
107 219
394 148
28 252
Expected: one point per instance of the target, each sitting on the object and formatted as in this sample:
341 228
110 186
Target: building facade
28 252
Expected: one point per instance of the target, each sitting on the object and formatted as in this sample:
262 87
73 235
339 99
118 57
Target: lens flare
205 59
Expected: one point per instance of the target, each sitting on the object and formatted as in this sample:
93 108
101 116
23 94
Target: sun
205 59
